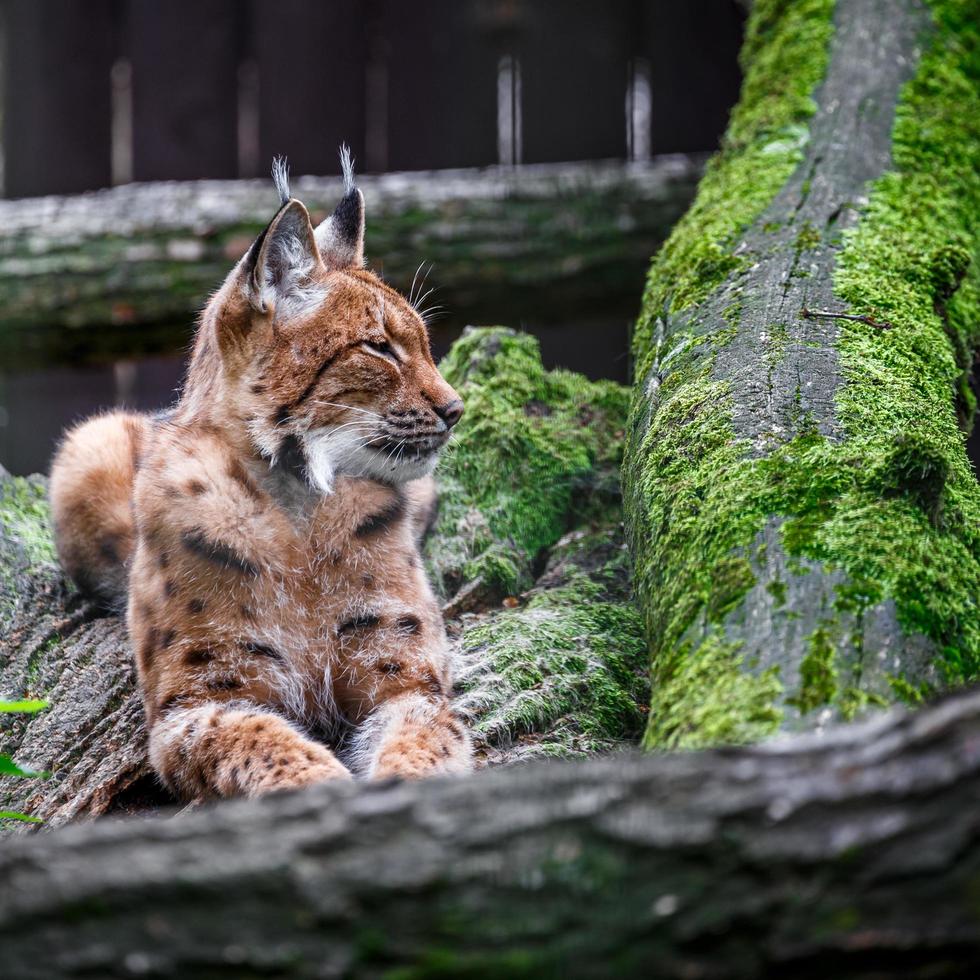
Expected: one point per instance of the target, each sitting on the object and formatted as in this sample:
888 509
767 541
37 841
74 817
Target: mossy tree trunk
804 519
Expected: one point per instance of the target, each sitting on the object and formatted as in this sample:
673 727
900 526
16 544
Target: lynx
263 535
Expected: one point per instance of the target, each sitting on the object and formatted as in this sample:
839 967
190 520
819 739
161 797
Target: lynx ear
341 236
282 259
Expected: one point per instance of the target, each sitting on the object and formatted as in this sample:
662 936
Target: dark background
101 91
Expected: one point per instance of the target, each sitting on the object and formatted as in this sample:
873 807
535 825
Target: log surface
846 509
151 253
55 645
852 855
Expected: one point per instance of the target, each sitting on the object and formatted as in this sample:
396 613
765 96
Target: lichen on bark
845 520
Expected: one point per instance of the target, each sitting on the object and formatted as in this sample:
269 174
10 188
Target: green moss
26 518
35 661
895 505
903 260
26 543
776 340
732 314
818 676
784 58
853 701
777 590
712 698
807 238
569 665
536 452
913 466
910 694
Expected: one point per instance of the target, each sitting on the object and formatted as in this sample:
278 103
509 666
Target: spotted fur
263 535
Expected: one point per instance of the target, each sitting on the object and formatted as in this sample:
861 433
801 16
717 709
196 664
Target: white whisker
433 313
392 452
353 408
411 291
414 299
422 298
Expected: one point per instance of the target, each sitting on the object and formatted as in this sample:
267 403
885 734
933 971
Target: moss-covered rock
805 521
536 454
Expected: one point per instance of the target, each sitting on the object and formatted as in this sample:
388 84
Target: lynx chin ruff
263 535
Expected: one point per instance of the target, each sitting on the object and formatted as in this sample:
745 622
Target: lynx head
322 358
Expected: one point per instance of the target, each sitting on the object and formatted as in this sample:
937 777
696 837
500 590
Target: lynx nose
451 412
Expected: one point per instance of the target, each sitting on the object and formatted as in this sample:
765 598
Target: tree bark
852 855
151 253
801 509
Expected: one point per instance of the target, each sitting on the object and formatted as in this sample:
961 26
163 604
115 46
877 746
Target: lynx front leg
393 684
412 735
217 749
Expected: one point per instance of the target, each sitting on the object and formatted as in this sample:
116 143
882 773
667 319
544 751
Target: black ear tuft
348 218
341 237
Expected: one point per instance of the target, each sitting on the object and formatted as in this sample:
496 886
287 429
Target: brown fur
91 483
274 601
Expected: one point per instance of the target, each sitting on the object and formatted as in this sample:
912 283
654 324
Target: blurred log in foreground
852 855
495 237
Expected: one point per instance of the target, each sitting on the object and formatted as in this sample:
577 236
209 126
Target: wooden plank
184 56
57 113
573 57
692 52
310 59
441 68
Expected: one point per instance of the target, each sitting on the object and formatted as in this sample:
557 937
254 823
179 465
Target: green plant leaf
25 707
13 815
10 768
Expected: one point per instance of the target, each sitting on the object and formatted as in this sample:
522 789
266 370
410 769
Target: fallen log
146 254
852 855
802 512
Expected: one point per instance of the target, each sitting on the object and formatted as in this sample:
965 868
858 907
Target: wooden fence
105 91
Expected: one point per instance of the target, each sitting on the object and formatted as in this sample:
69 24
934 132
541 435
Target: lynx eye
382 347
